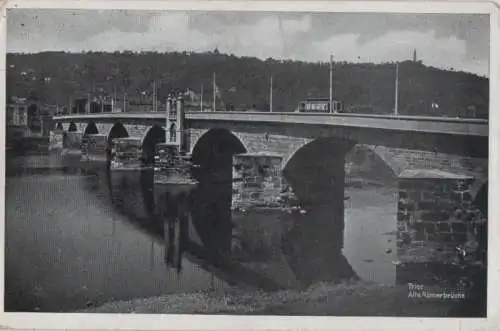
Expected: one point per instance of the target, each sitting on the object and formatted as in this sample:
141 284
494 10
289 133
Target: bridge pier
126 153
72 143
95 148
257 180
56 140
257 186
301 236
435 216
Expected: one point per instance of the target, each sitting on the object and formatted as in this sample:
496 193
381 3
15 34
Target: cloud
397 46
471 28
458 41
71 24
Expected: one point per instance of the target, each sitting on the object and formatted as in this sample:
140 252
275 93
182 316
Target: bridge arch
373 152
118 130
153 136
212 199
72 127
371 163
319 155
91 128
59 126
316 173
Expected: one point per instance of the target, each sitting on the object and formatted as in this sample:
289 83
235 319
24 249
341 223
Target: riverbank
353 298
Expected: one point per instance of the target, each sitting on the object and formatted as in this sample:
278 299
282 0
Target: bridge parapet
459 126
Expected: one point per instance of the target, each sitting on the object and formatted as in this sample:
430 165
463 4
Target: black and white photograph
246 162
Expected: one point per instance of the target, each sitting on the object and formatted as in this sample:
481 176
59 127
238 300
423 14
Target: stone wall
81 126
257 180
435 215
95 147
126 153
136 130
104 128
56 140
73 140
401 159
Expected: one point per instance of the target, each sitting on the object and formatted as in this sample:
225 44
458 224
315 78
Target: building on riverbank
28 124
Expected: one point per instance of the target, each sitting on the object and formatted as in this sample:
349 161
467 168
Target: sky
458 41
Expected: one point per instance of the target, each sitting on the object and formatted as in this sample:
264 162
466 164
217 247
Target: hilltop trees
244 81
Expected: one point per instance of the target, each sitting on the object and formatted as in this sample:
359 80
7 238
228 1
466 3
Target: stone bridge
256 159
405 143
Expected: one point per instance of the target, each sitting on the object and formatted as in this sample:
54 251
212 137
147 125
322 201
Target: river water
71 244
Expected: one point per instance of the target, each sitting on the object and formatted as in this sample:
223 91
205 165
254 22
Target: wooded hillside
53 77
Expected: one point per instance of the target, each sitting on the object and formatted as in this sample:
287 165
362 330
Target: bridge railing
376 116
291 114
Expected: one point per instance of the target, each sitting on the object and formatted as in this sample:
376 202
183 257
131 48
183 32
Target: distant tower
414 55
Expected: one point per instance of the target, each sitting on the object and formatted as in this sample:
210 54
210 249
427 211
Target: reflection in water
77 240
98 237
370 232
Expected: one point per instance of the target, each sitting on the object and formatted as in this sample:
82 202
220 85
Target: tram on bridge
320 105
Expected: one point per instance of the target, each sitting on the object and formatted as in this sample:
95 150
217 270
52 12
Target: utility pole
214 87
396 91
167 114
154 95
124 101
201 99
271 94
331 85
114 98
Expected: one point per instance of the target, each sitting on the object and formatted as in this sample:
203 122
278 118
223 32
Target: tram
319 105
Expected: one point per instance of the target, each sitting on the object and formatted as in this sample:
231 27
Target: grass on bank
354 298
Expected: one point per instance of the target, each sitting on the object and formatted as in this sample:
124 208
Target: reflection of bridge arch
316 174
153 136
72 127
211 207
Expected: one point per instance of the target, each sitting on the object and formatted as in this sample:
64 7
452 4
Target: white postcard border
69 321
